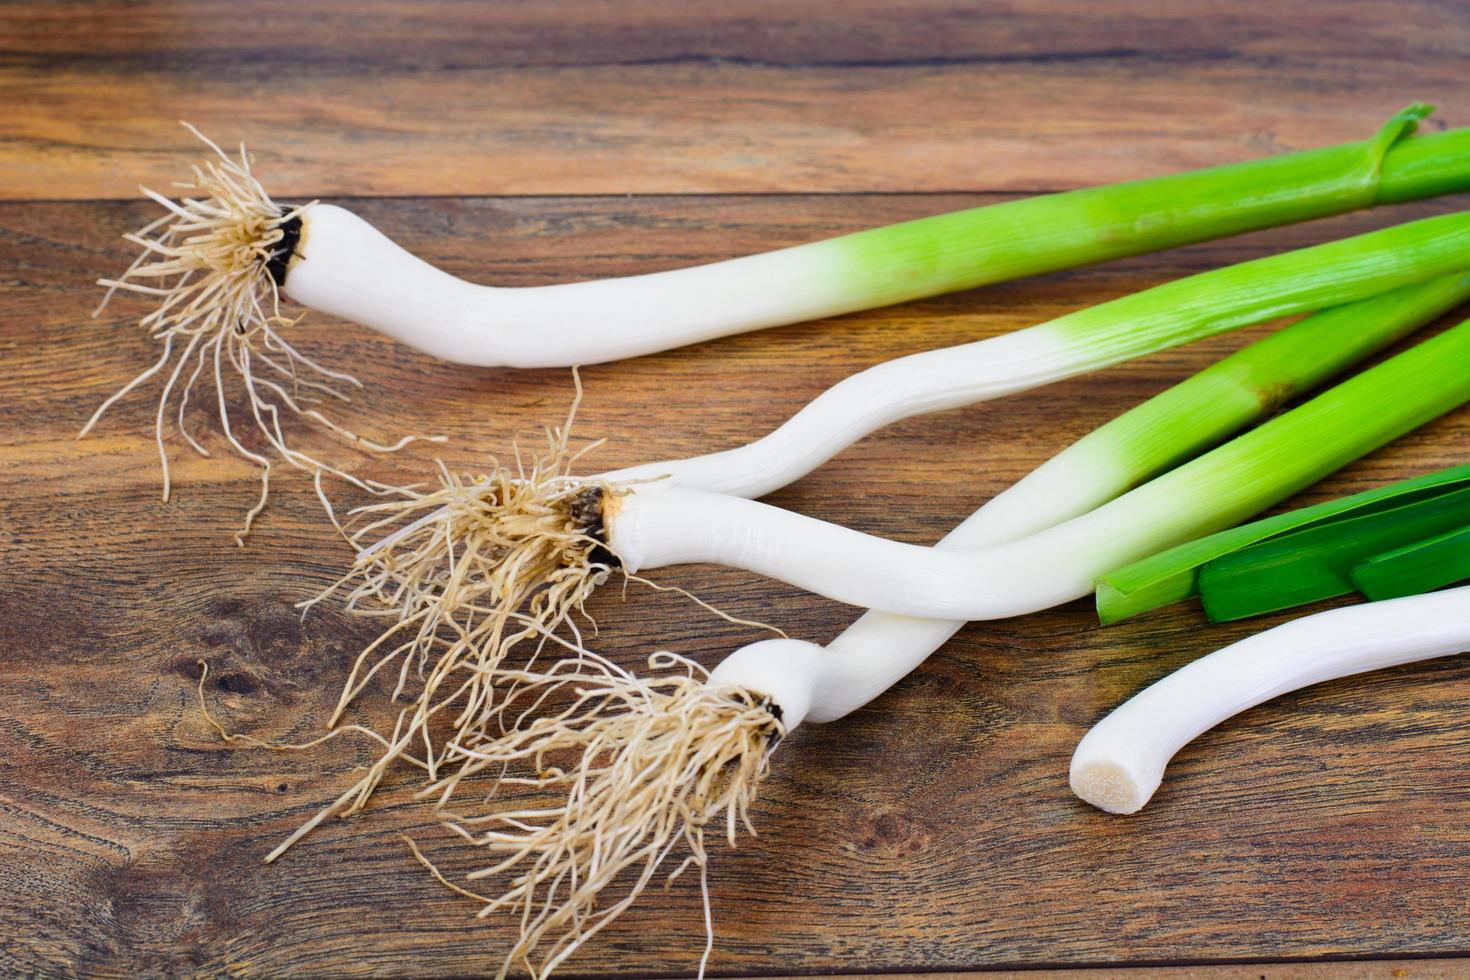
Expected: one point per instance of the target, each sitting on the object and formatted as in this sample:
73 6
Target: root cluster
462 573
616 777
624 775
205 264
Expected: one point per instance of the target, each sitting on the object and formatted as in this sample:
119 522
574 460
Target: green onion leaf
1417 568
1317 563
1172 575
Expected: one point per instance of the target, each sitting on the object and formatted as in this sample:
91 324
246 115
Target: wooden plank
1423 969
932 830
588 97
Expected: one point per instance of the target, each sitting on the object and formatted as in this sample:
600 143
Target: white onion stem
1119 763
345 267
863 403
819 684
653 527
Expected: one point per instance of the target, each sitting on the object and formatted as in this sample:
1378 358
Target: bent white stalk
1120 763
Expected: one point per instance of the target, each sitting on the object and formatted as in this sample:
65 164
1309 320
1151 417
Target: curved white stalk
653 527
345 267
820 684
1119 764
863 403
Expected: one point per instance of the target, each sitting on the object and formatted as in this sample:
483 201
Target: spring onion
1119 764
1317 563
1419 567
1173 575
346 268
660 761
219 260
329 259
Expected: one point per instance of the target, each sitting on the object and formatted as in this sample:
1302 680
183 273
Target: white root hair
623 774
205 263
505 562
458 593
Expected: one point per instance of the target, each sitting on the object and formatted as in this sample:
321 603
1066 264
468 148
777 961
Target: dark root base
285 250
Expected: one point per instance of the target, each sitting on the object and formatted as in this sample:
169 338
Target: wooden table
520 144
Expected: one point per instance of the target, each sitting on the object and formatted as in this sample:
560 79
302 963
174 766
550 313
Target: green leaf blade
1317 563
1423 566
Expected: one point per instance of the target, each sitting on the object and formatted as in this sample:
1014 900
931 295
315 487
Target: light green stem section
1027 237
1293 282
1200 412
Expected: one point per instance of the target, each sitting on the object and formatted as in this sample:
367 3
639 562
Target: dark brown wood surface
932 830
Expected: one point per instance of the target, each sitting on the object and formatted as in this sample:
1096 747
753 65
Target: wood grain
932 830
588 97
